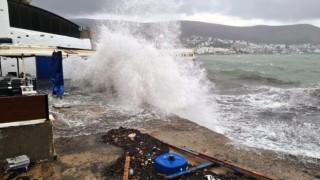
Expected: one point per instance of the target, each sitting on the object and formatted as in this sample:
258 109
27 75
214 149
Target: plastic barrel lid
170 163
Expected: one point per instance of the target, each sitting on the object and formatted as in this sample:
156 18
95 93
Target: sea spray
133 63
139 73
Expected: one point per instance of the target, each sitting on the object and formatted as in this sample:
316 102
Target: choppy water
269 102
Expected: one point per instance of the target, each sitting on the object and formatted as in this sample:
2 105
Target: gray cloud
273 10
75 7
277 10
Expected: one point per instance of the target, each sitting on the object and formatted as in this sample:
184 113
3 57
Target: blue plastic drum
170 163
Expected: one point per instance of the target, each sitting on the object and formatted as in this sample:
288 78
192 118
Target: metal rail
234 167
201 166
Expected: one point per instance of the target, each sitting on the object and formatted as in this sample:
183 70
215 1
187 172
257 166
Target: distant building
211 45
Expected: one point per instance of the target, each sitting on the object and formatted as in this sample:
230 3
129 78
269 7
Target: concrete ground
86 157
83 157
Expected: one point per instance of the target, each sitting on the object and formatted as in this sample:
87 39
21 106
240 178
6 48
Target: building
28 38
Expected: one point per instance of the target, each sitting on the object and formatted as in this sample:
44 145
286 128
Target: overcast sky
229 12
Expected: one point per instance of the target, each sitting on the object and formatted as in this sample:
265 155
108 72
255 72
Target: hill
288 34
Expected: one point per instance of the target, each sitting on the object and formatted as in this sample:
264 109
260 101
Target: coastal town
211 45
121 98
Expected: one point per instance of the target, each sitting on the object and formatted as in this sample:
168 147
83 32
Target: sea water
262 101
269 101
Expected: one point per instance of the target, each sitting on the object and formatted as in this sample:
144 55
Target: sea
269 101
263 101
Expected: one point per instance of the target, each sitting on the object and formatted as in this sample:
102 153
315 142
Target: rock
132 136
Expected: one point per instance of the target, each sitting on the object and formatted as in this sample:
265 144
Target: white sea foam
284 120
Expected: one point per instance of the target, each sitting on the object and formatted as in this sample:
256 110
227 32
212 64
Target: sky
228 12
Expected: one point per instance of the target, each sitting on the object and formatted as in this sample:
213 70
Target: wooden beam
126 168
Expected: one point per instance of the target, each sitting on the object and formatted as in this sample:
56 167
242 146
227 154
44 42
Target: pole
0 67
18 66
181 173
23 68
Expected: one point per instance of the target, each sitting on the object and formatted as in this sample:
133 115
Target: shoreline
87 157
180 132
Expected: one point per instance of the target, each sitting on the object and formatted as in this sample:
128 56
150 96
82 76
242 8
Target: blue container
170 163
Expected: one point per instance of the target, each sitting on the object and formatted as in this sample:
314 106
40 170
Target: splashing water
139 72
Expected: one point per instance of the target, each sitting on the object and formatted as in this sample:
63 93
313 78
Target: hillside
289 34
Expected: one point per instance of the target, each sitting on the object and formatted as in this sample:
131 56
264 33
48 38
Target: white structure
28 32
24 36
183 54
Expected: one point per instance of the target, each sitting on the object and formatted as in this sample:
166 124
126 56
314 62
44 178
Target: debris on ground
19 163
143 150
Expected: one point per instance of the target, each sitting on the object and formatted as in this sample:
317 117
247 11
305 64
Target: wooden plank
22 123
126 168
23 108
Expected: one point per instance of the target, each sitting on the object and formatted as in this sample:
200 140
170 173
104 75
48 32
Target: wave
137 72
282 119
254 76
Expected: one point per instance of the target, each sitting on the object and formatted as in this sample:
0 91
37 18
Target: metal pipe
18 66
236 168
181 173
23 68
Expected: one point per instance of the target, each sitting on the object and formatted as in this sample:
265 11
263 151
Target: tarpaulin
57 74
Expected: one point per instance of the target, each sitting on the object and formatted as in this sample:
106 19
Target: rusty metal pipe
234 167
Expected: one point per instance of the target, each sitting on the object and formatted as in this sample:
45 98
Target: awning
30 51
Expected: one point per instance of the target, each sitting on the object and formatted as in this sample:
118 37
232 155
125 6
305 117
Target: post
23 67
18 66
0 67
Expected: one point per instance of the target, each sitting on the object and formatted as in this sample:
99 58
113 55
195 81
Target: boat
182 54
